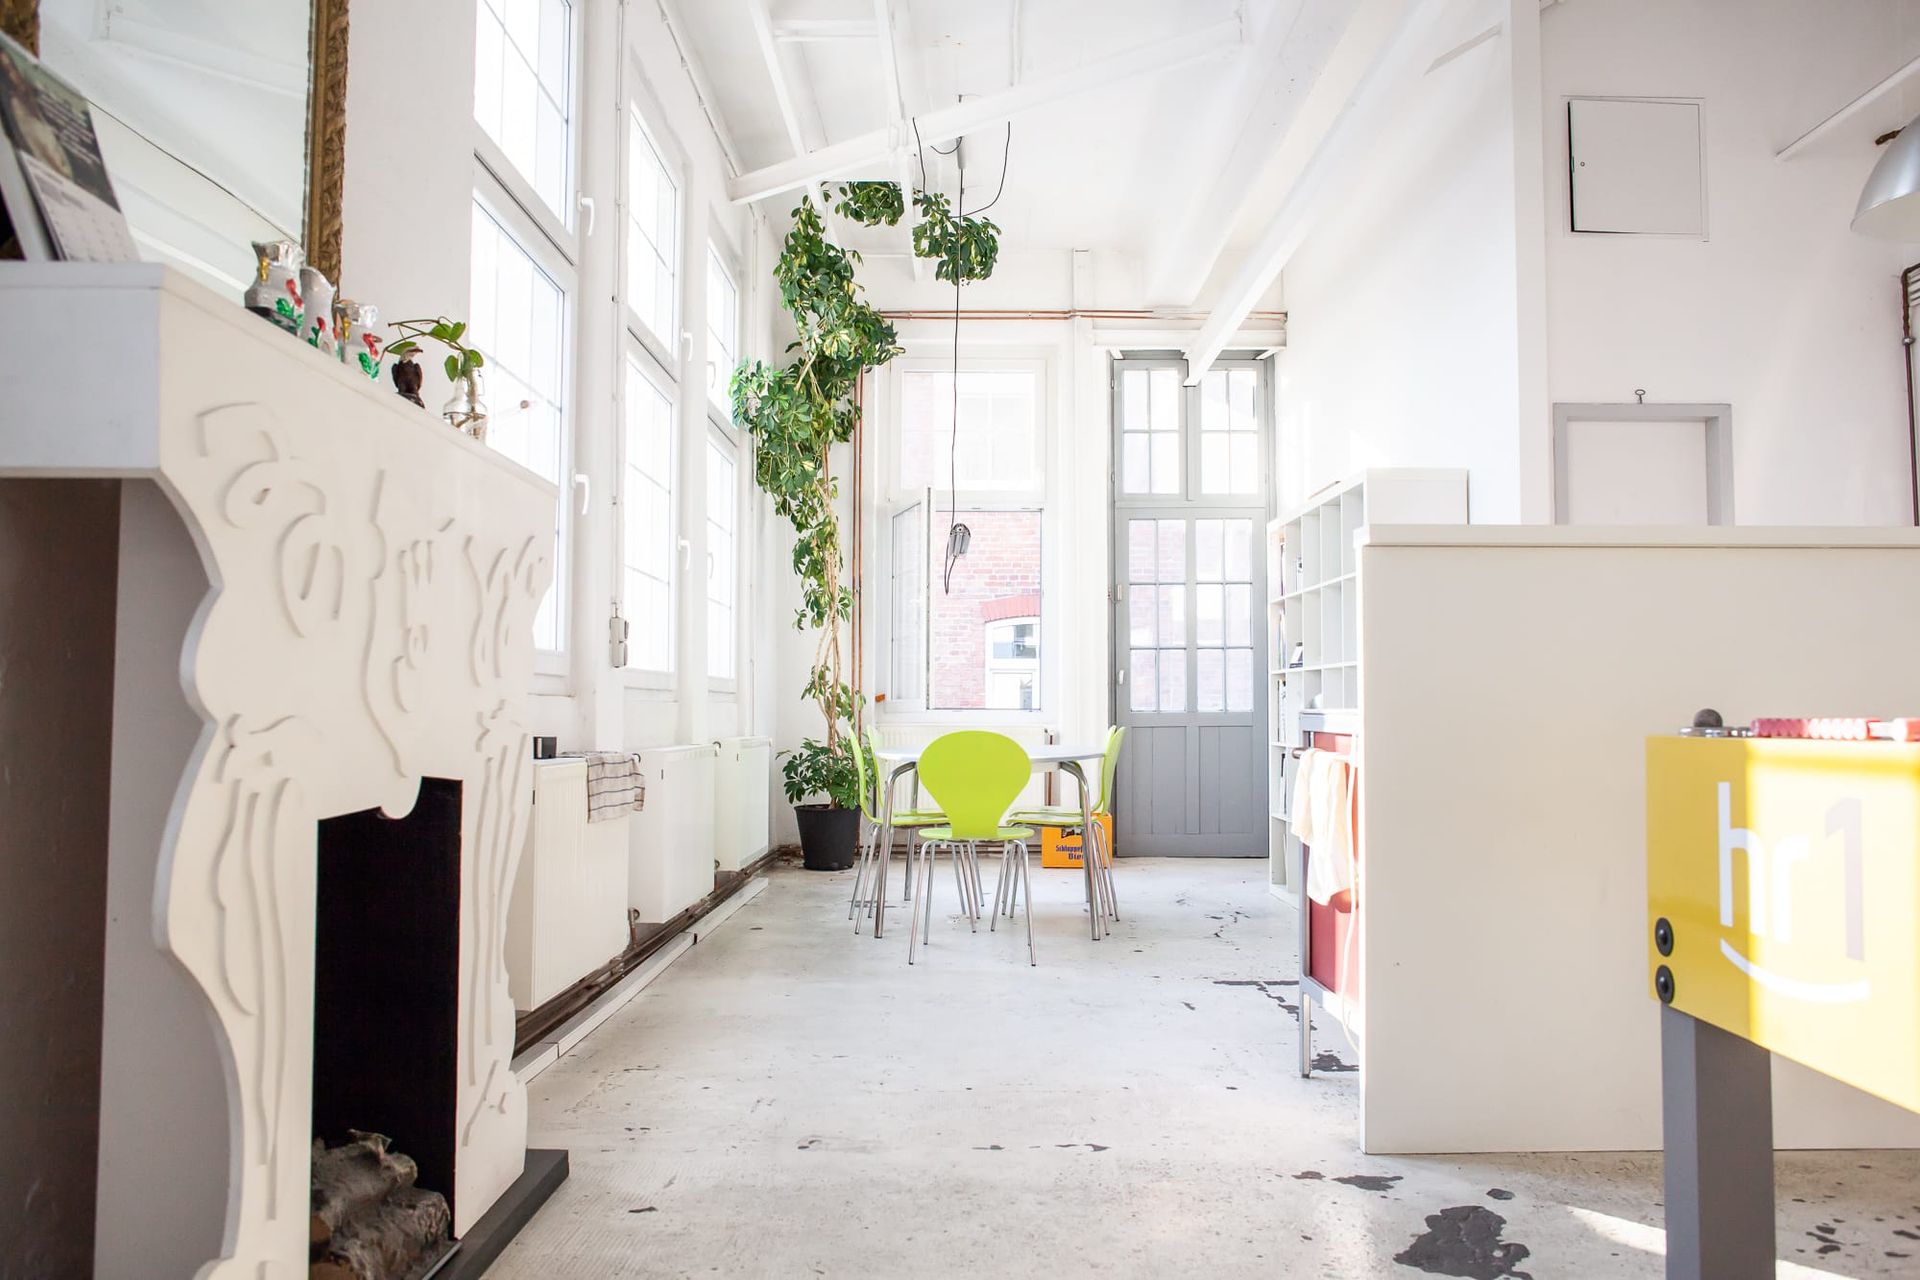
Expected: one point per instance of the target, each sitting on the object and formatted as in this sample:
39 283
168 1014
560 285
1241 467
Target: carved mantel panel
373 579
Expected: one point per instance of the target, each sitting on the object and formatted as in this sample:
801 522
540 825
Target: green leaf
453 368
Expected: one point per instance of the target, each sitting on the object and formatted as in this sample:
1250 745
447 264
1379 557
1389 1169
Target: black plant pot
827 836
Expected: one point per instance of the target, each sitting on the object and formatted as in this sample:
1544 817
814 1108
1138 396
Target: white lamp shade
1889 206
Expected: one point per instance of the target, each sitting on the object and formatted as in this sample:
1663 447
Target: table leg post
1086 847
885 853
1717 1116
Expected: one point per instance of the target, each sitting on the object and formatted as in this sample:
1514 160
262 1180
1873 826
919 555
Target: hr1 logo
1770 898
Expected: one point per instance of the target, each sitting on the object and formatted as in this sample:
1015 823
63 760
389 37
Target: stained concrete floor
791 1100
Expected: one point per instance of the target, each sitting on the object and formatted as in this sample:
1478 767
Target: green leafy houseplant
815 769
798 411
463 362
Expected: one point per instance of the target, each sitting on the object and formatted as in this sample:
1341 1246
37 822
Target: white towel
615 787
1300 809
1326 825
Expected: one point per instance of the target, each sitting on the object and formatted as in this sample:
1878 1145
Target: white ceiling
1098 171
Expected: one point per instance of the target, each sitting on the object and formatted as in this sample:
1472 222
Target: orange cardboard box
1061 848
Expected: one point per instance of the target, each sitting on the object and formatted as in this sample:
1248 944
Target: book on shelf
59 200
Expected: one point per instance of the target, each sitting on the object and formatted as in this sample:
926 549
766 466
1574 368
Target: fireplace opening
385 996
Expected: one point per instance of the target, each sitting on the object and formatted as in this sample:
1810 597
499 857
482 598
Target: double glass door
1190 495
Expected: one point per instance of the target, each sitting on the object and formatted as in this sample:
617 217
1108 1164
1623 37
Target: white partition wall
1509 678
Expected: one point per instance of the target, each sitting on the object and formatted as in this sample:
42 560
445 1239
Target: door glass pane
1172 616
1215 464
1165 400
1173 680
1208 551
1244 473
1239 551
1171 561
1210 691
1166 461
1140 550
1239 679
1213 403
1133 400
1239 620
1141 677
1208 614
1241 398
1141 608
1134 474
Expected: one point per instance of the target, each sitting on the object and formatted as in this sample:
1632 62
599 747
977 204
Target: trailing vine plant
799 411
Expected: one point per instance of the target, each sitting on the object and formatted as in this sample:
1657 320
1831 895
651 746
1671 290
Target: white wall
409 187
1782 311
1406 300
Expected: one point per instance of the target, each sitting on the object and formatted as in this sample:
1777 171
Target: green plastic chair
975 777
868 880
1068 818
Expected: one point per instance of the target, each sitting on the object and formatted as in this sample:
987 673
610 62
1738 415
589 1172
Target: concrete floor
790 1100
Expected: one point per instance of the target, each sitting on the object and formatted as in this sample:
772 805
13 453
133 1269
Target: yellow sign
1788 874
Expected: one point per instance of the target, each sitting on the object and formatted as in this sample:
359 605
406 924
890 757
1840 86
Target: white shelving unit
1313 603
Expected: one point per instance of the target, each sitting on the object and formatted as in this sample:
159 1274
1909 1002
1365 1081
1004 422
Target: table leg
1094 913
886 852
1716 1094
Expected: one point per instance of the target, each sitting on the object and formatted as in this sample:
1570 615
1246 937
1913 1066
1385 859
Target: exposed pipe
1079 313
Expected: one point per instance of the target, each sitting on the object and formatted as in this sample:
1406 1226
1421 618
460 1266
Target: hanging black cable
959 537
1006 151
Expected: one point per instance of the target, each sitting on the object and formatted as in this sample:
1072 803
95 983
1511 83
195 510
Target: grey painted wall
58 555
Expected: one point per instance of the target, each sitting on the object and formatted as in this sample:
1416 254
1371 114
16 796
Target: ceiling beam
1228 157
943 125
799 112
893 79
1376 58
821 29
1848 112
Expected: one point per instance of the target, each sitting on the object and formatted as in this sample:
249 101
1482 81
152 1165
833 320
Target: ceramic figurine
276 293
316 292
354 327
407 377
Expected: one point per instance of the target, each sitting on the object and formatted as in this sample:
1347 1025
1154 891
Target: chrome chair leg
913 918
1026 873
999 890
862 872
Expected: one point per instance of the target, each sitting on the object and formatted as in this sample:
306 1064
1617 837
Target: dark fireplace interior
385 999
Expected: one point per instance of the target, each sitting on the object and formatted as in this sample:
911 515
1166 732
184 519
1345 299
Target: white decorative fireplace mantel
325 595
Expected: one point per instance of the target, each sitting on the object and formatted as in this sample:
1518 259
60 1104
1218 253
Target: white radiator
742 779
671 853
568 916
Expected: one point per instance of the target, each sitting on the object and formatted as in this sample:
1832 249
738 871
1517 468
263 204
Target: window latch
583 484
617 637
586 204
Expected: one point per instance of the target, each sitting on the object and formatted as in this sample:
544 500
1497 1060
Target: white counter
1509 676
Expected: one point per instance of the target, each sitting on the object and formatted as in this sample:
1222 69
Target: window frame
507 213
892 498
720 254
562 226
637 358
726 441
640 111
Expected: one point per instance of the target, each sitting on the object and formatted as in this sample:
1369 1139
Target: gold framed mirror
221 123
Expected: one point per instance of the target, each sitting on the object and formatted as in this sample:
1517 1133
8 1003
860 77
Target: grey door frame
1189 505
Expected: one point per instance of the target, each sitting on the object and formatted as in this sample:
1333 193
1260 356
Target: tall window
653 233
723 330
1150 431
519 321
722 517
966 632
646 522
522 90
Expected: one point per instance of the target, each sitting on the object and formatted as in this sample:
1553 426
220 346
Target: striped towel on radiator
615 786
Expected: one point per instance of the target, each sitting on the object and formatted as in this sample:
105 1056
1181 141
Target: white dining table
895 763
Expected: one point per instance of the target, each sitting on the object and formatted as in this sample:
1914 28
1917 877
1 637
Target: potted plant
829 829
465 412
796 414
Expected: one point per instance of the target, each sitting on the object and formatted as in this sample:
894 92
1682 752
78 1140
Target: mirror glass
201 107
